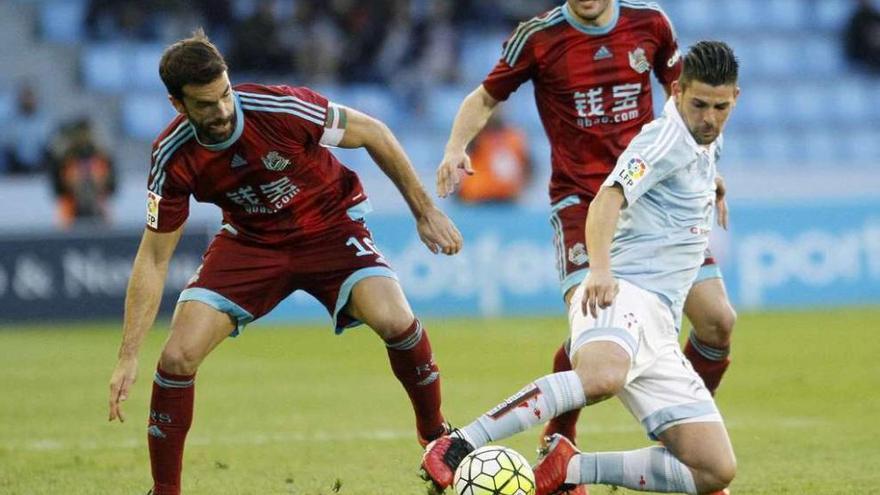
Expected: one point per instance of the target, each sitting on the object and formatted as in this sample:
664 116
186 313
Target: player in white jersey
647 230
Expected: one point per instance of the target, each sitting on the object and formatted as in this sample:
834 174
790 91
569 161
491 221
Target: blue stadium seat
805 104
818 146
779 57
144 115
758 106
374 100
738 15
831 14
823 55
861 147
479 53
144 67
850 100
442 104
62 21
692 16
105 67
789 15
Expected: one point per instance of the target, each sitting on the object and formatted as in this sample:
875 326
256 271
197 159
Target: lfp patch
634 171
153 200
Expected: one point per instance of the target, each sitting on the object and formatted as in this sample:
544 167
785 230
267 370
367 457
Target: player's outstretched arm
600 286
472 116
141 304
435 229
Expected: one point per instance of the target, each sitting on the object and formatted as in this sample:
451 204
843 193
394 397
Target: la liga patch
153 200
633 172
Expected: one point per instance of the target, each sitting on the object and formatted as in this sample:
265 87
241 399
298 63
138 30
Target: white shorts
662 389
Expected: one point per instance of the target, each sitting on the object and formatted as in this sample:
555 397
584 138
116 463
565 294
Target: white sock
653 469
539 401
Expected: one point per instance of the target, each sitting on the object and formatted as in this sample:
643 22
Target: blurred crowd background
80 84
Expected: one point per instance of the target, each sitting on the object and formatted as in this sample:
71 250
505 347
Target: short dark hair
710 62
194 60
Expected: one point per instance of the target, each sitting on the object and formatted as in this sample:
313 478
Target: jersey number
365 248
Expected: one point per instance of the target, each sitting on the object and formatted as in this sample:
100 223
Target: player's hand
721 210
123 378
438 232
450 171
600 289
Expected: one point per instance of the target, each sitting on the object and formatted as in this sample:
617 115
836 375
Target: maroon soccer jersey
592 85
274 179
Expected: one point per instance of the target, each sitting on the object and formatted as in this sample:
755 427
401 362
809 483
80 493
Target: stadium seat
374 100
850 100
144 114
7 104
738 15
104 66
479 53
823 55
831 15
442 104
692 16
61 21
788 15
144 67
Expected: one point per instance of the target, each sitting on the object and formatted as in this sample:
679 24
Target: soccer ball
494 470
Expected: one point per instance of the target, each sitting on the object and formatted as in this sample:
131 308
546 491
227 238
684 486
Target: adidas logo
602 53
238 161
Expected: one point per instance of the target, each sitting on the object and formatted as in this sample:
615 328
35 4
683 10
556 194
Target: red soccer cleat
551 470
446 430
441 458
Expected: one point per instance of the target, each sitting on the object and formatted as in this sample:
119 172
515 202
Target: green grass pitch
300 411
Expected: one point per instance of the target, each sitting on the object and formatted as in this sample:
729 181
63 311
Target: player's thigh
345 271
568 218
380 303
604 348
196 329
241 280
702 446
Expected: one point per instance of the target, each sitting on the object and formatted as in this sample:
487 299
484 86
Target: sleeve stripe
515 46
159 177
171 136
287 110
636 4
522 28
293 99
661 146
294 105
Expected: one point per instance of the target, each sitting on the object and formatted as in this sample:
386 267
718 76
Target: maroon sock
564 424
413 364
709 362
171 410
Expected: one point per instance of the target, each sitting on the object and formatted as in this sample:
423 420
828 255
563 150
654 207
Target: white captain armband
334 126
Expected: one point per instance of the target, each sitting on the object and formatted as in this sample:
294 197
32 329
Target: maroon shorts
568 218
247 280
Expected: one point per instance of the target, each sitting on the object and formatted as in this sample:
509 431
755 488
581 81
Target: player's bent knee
601 383
719 475
180 360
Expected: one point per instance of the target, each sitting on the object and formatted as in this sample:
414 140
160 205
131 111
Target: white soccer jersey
669 183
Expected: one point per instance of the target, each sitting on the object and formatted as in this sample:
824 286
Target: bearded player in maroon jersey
292 220
590 62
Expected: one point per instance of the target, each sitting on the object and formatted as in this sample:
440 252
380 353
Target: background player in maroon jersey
293 219
590 62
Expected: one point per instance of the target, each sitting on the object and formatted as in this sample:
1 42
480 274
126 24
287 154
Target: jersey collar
672 111
239 128
592 30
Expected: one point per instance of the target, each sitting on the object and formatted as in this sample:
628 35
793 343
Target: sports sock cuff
408 339
564 389
707 351
169 380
